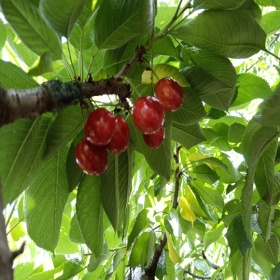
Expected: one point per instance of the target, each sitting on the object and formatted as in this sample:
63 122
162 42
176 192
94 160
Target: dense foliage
206 201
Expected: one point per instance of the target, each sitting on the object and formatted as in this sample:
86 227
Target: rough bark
54 95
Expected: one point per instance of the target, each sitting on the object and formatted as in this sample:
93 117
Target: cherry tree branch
195 275
6 256
53 95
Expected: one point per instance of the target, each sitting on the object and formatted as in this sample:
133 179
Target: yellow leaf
185 210
173 255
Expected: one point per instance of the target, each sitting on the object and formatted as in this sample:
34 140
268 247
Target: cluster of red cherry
104 131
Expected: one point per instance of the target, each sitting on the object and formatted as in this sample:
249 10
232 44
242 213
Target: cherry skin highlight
99 127
148 114
92 159
155 140
120 139
169 93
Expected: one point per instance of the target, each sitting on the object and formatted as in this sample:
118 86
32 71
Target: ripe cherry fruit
92 159
155 140
120 139
169 93
99 127
148 114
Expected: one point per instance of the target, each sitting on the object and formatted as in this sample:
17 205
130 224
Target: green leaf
250 87
220 4
187 135
264 175
136 20
257 139
45 200
62 23
116 188
89 208
70 269
191 111
25 19
140 223
217 66
236 236
275 272
75 233
266 214
209 195
270 22
42 66
230 211
14 77
142 249
235 133
270 110
66 125
3 32
22 148
213 235
268 250
65 244
211 90
164 46
275 3
205 173
155 157
228 33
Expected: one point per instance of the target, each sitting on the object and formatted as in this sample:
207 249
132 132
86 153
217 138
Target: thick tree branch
6 256
52 96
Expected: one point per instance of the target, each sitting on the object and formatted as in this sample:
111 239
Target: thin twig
214 266
195 275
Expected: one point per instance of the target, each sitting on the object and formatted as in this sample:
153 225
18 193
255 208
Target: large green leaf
211 90
66 125
264 175
250 87
22 148
228 33
187 135
209 195
275 272
25 19
275 3
11 76
3 32
140 254
90 213
45 200
220 4
191 111
268 250
62 23
155 157
218 66
270 22
116 188
141 222
270 109
257 139
128 19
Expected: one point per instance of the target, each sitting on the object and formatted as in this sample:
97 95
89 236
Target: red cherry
99 127
92 159
169 93
155 140
148 114
120 139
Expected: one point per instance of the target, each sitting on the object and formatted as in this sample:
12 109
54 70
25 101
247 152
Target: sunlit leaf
136 19
228 33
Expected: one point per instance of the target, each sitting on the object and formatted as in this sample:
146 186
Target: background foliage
221 148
